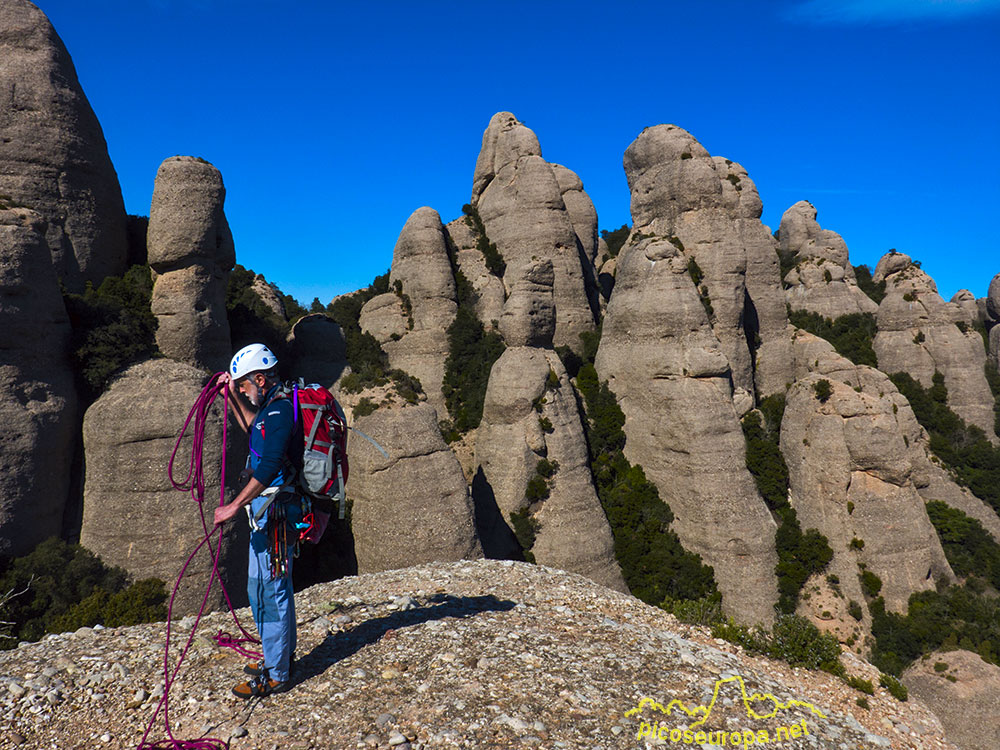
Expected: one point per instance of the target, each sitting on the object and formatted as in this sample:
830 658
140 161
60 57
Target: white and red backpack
324 451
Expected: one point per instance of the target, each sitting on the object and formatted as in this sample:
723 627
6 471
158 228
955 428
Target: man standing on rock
273 463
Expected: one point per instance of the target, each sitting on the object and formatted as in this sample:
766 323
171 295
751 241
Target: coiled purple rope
194 483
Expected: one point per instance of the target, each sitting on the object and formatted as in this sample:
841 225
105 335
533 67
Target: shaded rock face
191 250
765 320
53 156
672 380
520 202
411 324
680 193
37 394
413 507
132 516
529 315
965 696
318 350
573 533
266 294
822 280
583 215
850 468
919 333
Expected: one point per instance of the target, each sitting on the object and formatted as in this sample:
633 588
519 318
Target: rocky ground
483 654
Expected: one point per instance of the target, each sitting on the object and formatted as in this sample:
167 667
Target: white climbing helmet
252 358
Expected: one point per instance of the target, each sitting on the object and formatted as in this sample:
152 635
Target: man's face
251 387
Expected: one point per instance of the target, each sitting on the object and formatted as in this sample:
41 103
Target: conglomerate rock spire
53 156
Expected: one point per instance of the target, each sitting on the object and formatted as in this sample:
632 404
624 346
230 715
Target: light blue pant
273 606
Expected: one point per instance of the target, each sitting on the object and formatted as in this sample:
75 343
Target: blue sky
332 122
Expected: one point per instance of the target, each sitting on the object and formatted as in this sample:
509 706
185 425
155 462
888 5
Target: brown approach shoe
255 669
259 686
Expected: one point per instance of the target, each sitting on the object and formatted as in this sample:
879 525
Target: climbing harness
194 483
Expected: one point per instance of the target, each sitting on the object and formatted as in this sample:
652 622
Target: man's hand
225 512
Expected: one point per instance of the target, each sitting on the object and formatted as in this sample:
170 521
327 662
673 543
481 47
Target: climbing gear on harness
260 686
194 483
252 358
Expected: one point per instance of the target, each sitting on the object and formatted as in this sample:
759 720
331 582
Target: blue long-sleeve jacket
272 437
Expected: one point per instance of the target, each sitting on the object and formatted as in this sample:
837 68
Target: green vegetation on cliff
472 350
491 255
851 335
800 555
368 360
655 565
956 617
112 328
615 238
864 276
972 460
66 587
970 549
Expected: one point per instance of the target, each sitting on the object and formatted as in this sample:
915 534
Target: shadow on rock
338 646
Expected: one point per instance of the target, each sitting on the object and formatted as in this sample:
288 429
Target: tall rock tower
191 250
37 396
53 156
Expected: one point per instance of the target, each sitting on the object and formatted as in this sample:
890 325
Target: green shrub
864 686
855 611
494 260
871 584
364 407
472 351
654 563
910 297
546 425
250 320
800 555
970 549
863 703
67 587
823 390
537 489
525 530
706 611
896 688
972 459
546 468
851 335
827 276
615 239
940 666
993 379
369 362
112 328
856 544
792 639
143 601
955 617
864 276
919 338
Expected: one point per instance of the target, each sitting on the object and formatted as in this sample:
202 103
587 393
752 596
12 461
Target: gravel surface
478 654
